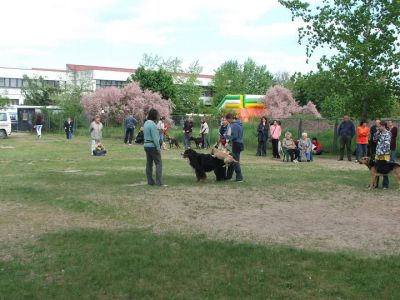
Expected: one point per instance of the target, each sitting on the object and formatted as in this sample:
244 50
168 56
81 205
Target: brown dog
223 155
388 168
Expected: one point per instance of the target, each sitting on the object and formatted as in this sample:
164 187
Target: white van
5 124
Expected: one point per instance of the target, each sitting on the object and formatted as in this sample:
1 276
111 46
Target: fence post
335 137
300 128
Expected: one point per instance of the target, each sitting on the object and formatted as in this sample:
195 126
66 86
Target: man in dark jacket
130 123
371 142
234 136
187 132
346 132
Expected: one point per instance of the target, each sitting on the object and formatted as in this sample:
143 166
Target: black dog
172 141
198 141
202 163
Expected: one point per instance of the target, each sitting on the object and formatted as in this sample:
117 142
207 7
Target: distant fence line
324 129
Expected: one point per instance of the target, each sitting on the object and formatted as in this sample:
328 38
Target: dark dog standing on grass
199 141
173 142
203 163
380 169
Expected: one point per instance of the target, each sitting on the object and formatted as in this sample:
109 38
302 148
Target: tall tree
184 89
159 81
364 35
234 78
39 92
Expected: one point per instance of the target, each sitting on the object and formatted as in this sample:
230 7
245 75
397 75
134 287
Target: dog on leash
223 155
203 163
173 142
377 169
198 141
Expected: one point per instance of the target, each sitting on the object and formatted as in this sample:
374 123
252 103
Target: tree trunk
364 109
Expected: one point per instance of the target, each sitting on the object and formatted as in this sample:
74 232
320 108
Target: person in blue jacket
346 132
234 136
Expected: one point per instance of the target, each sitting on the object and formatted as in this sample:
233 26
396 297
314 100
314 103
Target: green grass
139 264
131 263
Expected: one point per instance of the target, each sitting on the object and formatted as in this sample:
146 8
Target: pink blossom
114 103
281 104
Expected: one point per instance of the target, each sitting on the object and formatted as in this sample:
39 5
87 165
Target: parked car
5 124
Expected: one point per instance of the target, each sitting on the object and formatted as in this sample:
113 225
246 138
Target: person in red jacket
362 140
316 145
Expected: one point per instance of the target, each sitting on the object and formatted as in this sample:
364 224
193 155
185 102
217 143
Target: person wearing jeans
187 132
152 148
69 128
38 125
346 131
130 123
362 140
234 137
382 156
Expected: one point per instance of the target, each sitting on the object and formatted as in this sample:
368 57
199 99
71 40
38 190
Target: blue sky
51 33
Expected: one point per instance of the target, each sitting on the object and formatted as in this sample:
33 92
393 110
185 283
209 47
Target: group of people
297 150
232 137
39 123
378 141
366 138
188 133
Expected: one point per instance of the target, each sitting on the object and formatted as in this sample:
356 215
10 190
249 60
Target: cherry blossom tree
281 104
114 103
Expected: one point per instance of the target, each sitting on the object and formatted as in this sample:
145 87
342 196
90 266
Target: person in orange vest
362 140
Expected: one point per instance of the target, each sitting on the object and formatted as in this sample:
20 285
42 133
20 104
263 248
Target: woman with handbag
262 132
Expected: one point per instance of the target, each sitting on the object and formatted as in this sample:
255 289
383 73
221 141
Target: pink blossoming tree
281 104
114 103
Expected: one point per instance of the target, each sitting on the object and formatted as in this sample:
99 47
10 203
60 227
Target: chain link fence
324 130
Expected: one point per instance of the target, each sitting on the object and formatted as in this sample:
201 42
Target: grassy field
73 226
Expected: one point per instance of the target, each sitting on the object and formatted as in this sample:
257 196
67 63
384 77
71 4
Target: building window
13 82
109 83
2 82
207 91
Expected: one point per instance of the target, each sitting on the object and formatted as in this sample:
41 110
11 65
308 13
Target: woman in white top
204 133
161 129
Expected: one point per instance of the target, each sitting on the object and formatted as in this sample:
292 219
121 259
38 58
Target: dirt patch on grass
367 222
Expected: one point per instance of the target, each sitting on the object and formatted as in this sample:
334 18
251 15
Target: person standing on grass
382 157
69 128
275 131
187 132
346 132
152 148
38 125
161 129
96 133
234 136
130 124
362 140
393 141
262 132
371 140
204 133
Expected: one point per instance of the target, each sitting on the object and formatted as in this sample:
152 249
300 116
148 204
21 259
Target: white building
11 79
